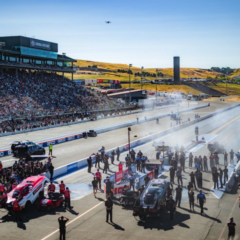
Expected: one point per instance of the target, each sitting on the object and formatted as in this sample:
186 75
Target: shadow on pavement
164 223
117 227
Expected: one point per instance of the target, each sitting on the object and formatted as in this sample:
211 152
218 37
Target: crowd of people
44 99
10 177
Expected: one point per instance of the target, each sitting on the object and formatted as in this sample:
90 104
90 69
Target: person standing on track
112 156
231 229
215 179
231 155
118 153
225 159
67 198
220 177
97 163
50 149
225 174
109 206
62 187
205 163
51 170
62 227
178 195
171 206
16 210
190 159
191 199
95 187
202 199
98 177
89 161
172 174
179 176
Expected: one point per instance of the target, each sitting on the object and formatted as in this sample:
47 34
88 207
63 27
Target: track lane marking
89 210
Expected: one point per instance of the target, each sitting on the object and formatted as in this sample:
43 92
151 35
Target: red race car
52 200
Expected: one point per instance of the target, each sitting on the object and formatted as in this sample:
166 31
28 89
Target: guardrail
123 148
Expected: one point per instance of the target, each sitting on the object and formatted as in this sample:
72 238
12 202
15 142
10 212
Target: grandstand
18 52
32 92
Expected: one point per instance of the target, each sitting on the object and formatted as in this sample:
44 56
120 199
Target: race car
128 197
52 200
26 192
215 147
175 116
159 146
26 149
152 200
90 133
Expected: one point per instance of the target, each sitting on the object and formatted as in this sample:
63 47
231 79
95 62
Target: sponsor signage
119 176
72 167
40 44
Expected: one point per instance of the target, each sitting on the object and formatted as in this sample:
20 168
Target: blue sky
144 33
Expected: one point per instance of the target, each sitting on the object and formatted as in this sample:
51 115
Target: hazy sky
149 33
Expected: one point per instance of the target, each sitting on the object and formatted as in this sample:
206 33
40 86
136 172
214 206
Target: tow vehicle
52 200
27 192
26 149
151 201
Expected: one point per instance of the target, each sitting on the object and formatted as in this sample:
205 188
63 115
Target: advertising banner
118 176
40 44
72 167
99 80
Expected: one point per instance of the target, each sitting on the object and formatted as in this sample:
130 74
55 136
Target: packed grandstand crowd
44 99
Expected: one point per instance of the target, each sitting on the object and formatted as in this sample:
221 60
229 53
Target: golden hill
168 72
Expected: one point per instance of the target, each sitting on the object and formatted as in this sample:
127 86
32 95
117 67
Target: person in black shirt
225 174
95 186
97 163
156 172
172 174
109 205
215 179
231 229
171 206
89 161
62 226
220 177
108 188
178 195
118 153
51 169
191 199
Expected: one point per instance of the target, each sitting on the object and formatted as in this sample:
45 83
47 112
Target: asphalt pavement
87 218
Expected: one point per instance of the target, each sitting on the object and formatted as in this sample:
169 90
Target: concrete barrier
123 148
234 172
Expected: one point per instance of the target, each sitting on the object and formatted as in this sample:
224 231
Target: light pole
129 83
129 130
141 76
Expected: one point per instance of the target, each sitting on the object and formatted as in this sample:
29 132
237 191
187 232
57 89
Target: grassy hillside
232 89
168 88
168 72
